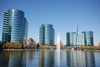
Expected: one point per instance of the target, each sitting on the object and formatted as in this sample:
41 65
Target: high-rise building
42 35
74 39
88 35
0 42
83 39
80 39
15 26
46 35
69 38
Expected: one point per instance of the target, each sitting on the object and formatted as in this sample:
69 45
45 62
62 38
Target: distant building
46 37
69 38
15 26
0 42
82 39
75 40
88 38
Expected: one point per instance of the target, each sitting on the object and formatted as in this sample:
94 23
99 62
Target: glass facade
14 26
88 35
73 40
46 35
80 40
70 38
42 35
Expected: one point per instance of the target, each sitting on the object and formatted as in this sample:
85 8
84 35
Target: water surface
50 58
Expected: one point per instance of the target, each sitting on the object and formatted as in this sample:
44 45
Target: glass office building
42 35
69 37
14 26
74 39
80 40
46 35
88 35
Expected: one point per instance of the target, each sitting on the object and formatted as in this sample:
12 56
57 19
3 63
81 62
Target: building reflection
31 55
4 59
80 59
42 59
90 59
12 59
15 59
46 59
69 56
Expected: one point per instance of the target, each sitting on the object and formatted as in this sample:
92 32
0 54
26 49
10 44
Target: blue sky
63 14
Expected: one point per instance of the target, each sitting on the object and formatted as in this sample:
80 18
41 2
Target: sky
64 15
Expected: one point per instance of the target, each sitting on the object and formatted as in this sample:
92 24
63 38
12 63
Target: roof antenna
76 34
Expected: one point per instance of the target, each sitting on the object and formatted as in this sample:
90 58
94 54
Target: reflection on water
50 59
4 59
58 58
15 59
80 59
90 59
11 59
46 59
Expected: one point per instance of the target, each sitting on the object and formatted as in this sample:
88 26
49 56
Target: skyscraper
88 35
46 35
14 26
72 40
69 38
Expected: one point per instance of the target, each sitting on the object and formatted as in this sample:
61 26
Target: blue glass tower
69 37
14 26
46 35
88 35
72 40
42 35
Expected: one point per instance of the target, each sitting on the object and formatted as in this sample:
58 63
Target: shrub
11 45
91 47
47 47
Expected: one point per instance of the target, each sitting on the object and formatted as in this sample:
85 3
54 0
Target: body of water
50 58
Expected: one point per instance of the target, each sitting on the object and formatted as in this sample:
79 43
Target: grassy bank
18 49
91 47
50 47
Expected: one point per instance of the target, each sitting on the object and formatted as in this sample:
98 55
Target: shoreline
44 50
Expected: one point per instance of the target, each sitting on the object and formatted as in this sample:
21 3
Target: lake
50 58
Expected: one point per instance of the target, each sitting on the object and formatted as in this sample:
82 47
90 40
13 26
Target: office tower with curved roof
88 35
14 26
46 35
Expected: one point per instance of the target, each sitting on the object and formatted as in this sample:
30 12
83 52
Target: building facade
69 37
46 35
83 39
42 35
88 35
74 39
14 26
